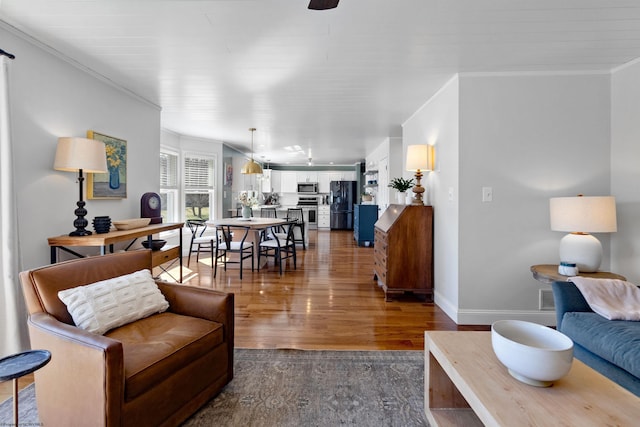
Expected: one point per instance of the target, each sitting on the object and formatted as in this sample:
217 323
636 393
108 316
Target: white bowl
534 354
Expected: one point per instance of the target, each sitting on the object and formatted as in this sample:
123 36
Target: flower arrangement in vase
247 203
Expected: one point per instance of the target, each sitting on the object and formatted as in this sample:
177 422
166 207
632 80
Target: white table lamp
580 216
419 159
80 155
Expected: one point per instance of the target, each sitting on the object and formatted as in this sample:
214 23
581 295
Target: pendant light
251 167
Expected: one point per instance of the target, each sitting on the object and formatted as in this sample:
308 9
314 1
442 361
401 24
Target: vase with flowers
247 202
401 185
113 164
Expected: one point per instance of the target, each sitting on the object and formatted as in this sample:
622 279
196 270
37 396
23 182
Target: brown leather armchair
155 371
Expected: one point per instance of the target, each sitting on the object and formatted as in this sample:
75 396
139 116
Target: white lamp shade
418 158
583 214
73 154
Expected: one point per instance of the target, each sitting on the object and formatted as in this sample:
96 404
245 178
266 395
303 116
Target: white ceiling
335 83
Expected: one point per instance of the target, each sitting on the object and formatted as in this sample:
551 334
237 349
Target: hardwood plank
330 302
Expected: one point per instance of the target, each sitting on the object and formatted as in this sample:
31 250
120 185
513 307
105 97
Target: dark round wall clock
150 207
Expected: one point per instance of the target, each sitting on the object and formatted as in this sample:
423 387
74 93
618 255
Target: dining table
255 225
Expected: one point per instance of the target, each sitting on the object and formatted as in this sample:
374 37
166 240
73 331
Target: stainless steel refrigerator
343 197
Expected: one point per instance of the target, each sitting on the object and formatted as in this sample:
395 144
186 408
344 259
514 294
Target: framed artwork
228 174
113 184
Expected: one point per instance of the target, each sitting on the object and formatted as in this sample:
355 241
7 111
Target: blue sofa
611 347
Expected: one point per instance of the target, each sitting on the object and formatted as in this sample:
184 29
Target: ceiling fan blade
323 4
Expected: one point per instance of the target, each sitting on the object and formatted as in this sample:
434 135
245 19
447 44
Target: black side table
18 365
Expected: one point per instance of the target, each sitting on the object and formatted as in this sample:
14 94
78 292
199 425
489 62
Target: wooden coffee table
466 385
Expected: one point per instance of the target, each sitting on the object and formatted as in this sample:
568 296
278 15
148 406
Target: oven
310 207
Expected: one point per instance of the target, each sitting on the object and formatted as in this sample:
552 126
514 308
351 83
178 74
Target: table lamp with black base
80 155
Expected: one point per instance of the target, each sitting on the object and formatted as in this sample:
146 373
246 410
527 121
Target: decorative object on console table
102 224
580 216
131 224
150 207
419 159
401 185
403 250
78 155
113 183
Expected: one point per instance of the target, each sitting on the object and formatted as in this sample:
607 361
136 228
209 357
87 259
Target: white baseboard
487 317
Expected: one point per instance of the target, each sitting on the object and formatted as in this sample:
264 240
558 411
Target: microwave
307 188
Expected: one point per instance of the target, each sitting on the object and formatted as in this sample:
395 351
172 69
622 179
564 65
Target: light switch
487 194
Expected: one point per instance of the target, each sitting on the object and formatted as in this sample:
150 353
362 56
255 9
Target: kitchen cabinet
288 182
364 218
265 181
275 181
343 176
347 176
323 216
403 250
306 176
324 178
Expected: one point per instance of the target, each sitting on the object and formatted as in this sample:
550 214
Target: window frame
211 190
171 193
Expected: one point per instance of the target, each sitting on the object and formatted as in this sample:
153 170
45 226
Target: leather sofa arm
203 303
198 302
88 369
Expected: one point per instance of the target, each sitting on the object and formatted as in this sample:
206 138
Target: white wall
436 123
529 137
625 172
51 98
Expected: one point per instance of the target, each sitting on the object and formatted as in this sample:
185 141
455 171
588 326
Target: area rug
305 388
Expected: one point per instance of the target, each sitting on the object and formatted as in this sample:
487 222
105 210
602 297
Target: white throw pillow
101 306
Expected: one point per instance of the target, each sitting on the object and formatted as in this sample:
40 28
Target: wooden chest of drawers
403 250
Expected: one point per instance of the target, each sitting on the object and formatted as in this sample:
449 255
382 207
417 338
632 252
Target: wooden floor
330 302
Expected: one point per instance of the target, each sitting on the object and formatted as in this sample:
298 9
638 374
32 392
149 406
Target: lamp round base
80 233
582 249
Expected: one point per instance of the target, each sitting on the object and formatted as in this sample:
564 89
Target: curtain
13 330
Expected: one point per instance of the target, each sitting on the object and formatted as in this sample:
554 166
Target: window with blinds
168 170
199 180
169 186
190 179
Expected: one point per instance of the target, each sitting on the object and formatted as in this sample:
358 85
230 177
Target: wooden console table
466 385
105 242
548 273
